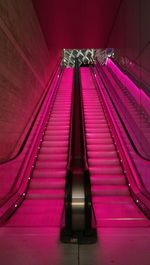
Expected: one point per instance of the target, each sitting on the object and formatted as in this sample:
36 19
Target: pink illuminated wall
26 66
140 96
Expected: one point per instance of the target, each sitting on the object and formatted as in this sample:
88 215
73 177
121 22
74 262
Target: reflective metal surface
78 203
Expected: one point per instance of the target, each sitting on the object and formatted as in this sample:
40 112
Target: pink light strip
136 92
132 176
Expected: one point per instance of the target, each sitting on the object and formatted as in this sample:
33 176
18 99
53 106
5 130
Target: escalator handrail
135 182
133 77
123 124
16 196
120 84
38 108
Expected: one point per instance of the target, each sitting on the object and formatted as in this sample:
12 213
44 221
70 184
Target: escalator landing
119 246
41 246
35 246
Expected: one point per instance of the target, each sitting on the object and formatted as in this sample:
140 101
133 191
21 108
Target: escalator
112 202
132 112
97 180
44 200
132 102
43 205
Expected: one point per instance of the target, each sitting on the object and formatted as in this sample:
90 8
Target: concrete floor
41 246
119 246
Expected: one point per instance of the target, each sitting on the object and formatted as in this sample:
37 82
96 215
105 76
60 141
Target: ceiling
76 24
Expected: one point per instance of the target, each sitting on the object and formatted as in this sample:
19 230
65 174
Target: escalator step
106 170
98 135
97 125
53 173
47 183
57 138
53 157
102 154
48 165
101 147
54 150
62 116
45 193
104 162
37 219
110 190
97 130
94 114
55 144
40 206
108 180
58 123
56 133
100 140
124 216
57 126
92 121
104 199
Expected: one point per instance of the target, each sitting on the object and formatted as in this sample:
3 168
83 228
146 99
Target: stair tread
111 199
52 157
45 193
53 150
47 183
100 147
108 179
104 161
98 190
102 153
49 173
98 170
125 211
99 141
61 143
37 219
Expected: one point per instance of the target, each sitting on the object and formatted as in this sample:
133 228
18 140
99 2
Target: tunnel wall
130 32
26 67
77 24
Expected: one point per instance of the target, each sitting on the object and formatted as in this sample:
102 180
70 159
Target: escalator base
78 237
